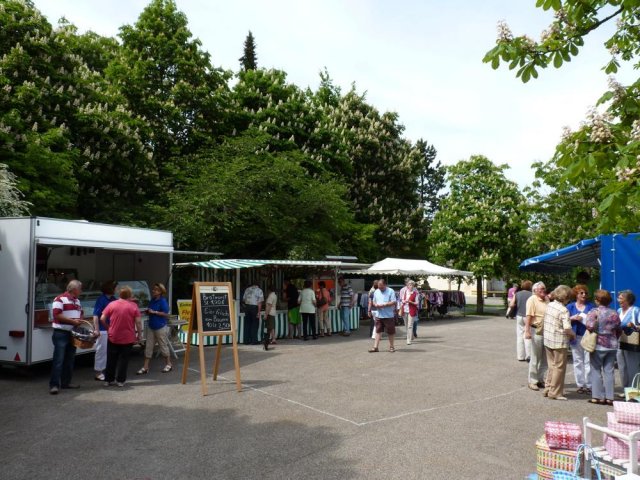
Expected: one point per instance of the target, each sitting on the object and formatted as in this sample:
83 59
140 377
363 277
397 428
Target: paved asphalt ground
454 405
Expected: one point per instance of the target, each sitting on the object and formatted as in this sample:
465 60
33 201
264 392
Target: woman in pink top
324 323
125 328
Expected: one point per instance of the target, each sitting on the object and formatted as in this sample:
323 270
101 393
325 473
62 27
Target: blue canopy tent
616 255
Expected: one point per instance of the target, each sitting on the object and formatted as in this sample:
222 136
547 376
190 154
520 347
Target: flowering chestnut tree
608 142
481 223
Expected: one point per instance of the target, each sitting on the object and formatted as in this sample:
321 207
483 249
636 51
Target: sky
420 58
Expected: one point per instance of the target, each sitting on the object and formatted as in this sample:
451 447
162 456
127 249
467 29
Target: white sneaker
120 384
408 343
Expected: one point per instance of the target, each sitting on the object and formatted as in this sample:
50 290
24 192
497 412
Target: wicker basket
548 460
82 335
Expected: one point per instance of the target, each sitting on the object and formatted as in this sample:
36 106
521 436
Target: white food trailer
39 256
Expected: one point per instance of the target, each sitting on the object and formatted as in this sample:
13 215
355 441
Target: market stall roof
585 253
232 264
405 266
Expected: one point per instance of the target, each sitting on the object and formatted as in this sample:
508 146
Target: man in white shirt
384 300
252 299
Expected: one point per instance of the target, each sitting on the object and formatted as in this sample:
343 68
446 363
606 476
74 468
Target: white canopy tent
406 266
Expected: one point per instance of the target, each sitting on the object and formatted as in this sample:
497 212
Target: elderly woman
578 311
157 329
125 327
557 333
410 308
629 353
606 323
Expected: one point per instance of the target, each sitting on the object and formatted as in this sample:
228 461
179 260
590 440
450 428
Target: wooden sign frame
196 318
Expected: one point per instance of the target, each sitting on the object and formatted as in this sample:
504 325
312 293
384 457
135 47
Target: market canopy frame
411 267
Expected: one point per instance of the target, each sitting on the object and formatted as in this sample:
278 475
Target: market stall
617 256
244 272
439 301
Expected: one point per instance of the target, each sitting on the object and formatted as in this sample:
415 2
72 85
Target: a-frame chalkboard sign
213 313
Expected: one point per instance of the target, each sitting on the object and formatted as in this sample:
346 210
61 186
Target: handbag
575 475
589 340
632 338
633 392
322 301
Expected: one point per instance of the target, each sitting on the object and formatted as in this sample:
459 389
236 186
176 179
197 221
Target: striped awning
229 264
232 264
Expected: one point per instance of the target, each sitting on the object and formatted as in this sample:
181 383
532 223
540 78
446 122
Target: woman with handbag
606 323
578 311
629 352
557 334
323 298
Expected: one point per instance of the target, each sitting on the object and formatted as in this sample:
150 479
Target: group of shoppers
383 306
549 325
307 310
117 327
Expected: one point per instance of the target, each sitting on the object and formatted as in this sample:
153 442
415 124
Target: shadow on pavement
80 439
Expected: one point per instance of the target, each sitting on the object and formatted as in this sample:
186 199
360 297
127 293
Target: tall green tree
431 178
382 173
249 58
168 80
609 139
561 212
64 133
246 201
12 203
481 223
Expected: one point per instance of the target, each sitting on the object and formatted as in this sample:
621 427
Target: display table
282 324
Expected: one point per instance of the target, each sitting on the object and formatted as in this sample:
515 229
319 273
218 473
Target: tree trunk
480 296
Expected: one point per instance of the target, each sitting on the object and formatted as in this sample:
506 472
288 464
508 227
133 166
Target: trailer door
15 265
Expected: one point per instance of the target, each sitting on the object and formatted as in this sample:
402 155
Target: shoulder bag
590 339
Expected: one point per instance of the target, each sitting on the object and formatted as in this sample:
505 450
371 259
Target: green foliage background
145 130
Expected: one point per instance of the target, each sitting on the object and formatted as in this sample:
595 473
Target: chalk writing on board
214 309
214 299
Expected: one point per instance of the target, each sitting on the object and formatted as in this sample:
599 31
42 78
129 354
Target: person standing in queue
293 310
270 308
157 329
534 329
125 328
100 360
346 304
606 323
67 313
308 310
323 299
557 334
578 311
384 300
519 301
253 299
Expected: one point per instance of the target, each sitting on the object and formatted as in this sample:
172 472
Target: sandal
391 349
580 390
142 371
374 349
595 401
167 368
608 402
